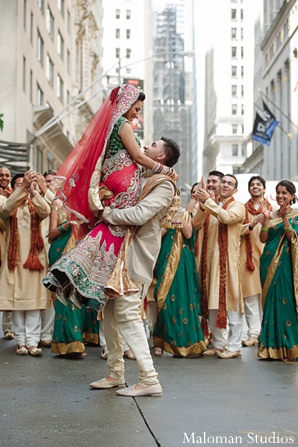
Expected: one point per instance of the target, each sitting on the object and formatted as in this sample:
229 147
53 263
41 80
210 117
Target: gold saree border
170 270
68 348
272 269
278 353
90 337
195 349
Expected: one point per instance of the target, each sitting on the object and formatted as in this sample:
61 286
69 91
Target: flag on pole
271 121
264 127
259 131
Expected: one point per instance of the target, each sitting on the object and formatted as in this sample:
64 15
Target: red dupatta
81 162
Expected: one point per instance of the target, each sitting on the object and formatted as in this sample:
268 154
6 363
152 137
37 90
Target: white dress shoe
153 390
104 384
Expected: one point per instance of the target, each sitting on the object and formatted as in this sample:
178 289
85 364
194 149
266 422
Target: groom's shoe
131 391
105 384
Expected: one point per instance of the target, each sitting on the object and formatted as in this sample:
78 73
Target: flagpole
295 125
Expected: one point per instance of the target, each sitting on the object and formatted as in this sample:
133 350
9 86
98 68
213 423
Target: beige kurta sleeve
199 219
7 208
43 209
49 196
234 214
159 198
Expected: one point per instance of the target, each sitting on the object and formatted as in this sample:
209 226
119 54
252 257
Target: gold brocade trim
170 270
278 353
294 254
68 348
71 243
195 349
91 338
271 270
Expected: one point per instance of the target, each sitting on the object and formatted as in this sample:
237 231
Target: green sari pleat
177 291
279 331
73 327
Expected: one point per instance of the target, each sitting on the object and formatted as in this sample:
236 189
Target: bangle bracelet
287 230
264 229
61 229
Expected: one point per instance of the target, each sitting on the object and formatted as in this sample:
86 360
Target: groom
122 315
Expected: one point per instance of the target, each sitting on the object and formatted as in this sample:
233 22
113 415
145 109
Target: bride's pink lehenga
88 266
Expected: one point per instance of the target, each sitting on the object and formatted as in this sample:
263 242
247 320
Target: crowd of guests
224 261
96 246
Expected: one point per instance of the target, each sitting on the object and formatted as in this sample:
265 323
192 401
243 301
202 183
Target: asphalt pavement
47 402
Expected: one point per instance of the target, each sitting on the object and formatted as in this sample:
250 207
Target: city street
206 401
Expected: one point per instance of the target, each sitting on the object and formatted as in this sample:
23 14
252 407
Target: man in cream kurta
233 218
250 253
123 314
5 192
21 290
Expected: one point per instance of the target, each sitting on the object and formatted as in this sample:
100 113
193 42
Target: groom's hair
172 151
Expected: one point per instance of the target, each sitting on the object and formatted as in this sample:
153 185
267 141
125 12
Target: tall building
49 54
226 30
173 89
277 86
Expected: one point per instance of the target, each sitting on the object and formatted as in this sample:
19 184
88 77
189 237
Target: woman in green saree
177 329
279 276
73 327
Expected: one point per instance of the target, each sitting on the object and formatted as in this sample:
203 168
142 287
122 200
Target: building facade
50 52
227 55
278 88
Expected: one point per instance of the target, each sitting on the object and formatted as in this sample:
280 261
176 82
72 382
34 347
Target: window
234 90
41 5
234 129
60 45
242 129
128 14
117 33
50 23
234 109
128 34
60 88
24 74
67 97
61 7
25 15
242 109
235 149
234 51
242 52
242 71
241 14
50 70
243 151
234 70
31 28
117 52
39 96
31 86
117 13
241 33
40 48
128 53
233 14
242 91
233 33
